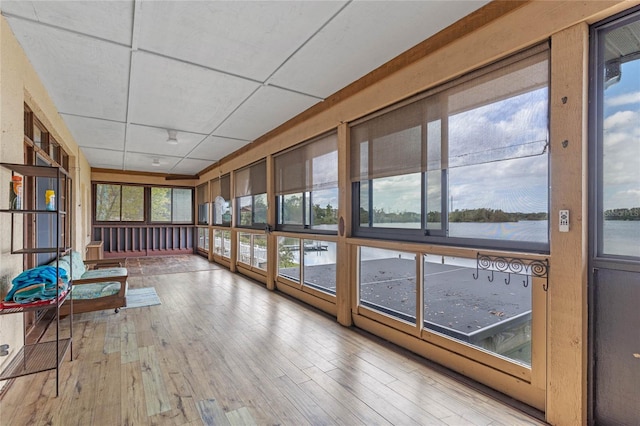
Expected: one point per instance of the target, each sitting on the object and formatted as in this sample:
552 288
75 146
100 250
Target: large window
251 195
128 203
202 198
119 203
465 162
221 198
618 142
307 186
173 205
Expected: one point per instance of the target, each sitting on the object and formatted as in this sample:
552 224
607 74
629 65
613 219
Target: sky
621 140
497 159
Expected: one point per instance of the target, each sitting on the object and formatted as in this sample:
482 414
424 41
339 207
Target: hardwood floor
222 349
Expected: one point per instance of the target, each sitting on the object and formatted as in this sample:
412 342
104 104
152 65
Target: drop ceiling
220 73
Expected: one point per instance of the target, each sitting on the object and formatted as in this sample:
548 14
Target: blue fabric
40 275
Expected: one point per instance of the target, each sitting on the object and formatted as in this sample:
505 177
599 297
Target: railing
144 240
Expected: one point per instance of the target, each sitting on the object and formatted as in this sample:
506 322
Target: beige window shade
388 145
309 167
251 180
221 187
393 142
202 195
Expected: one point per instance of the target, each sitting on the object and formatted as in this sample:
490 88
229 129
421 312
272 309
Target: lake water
620 238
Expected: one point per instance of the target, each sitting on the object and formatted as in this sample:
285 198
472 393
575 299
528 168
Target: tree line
622 214
466 215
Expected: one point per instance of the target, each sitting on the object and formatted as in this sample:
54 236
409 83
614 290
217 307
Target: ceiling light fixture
173 137
156 162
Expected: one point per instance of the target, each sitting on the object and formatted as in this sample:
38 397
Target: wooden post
272 243
567 294
343 266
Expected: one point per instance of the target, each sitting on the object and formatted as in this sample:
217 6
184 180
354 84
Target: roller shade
251 180
310 167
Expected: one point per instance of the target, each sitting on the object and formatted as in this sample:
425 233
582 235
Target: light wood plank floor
222 349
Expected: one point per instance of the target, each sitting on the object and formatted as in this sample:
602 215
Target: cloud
624 99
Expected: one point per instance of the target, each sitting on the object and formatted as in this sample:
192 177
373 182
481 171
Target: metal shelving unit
42 355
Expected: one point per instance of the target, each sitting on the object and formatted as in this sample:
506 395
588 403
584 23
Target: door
614 321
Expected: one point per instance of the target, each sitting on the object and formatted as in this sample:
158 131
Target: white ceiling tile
176 95
247 38
103 158
214 148
84 76
144 162
365 35
190 167
263 111
142 139
110 20
94 133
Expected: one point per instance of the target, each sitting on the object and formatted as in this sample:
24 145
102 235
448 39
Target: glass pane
484 312
324 209
107 202
434 200
396 201
620 144
259 259
245 206
226 242
203 213
133 203
37 136
244 248
498 169
320 265
260 208
161 204
388 282
203 238
365 214
289 258
182 205
218 245
291 209
221 211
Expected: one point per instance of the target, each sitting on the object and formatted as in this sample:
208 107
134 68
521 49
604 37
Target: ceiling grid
220 73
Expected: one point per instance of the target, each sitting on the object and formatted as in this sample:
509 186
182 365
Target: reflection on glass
483 313
160 204
245 206
132 203
434 200
222 243
388 282
260 208
203 239
620 145
107 202
259 252
244 248
365 214
289 258
320 265
291 209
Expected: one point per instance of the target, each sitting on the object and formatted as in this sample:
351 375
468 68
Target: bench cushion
94 291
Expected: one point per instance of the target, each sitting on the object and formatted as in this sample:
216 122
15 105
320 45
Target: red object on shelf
23 306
